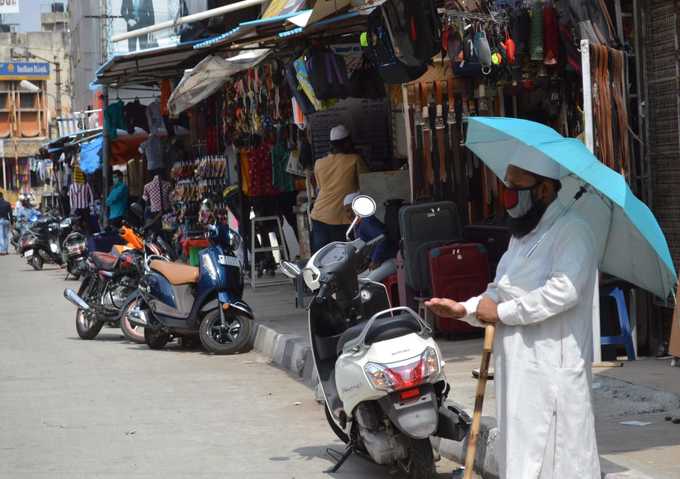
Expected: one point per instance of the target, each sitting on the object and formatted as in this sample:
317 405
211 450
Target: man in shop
541 302
117 201
336 175
137 14
5 222
383 260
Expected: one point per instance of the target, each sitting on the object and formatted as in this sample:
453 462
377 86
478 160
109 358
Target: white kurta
543 350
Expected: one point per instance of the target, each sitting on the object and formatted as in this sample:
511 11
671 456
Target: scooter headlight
403 374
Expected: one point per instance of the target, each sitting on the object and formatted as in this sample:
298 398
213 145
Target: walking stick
489 334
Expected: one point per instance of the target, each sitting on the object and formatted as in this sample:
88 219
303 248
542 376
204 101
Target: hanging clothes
78 175
80 196
135 116
281 179
166 92
261 181
157 195
155 119
153 152
231 154
114 119
244 158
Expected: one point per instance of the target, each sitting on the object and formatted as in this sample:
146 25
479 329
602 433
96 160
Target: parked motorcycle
380 370
106 294
73 247
177 300
43 243
21 227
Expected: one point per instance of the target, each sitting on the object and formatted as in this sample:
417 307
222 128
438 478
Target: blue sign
24 71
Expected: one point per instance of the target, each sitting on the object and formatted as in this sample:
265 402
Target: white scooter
380 370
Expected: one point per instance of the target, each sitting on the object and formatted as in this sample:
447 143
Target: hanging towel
536 40
551 35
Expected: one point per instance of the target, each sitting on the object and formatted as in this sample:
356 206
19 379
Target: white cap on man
339 132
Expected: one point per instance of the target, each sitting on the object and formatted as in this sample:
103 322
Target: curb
293 354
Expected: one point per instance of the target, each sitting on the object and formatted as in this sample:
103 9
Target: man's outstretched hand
446 308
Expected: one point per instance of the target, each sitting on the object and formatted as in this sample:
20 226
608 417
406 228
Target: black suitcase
495 238
423 227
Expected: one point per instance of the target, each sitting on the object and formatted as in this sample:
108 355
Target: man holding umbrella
542 304
541 301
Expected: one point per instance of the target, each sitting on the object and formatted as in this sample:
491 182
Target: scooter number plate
229 261
28 253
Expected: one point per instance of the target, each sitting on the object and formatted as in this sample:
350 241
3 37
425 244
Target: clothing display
157 195
114 119
135 116
80 196
152 150
155 118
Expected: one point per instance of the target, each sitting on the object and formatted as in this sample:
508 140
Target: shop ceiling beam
196 17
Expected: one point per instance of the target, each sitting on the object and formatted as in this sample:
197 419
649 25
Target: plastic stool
281 249
625 338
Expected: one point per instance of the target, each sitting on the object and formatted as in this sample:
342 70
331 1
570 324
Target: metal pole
587 95
57 67
106 160
409 146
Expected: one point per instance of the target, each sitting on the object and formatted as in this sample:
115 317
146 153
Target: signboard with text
9 6
24 70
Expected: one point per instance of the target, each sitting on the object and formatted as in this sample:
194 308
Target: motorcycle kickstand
340 458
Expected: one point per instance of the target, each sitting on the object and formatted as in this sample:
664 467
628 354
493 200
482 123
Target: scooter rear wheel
420 459
229 338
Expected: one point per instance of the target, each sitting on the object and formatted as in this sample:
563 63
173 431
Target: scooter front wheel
131 331
37 262
420 463
155 338
225 335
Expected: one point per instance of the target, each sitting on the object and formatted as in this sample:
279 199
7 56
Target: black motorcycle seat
104 261
383 329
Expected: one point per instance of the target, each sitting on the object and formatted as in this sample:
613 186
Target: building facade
34 92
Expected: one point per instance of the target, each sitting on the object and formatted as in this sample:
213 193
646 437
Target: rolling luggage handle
360 341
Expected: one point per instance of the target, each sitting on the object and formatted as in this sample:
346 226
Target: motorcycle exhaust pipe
73 297
138 317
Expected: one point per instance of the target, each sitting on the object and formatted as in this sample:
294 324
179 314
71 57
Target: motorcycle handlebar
321 295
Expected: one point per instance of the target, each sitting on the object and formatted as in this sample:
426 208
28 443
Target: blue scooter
177 300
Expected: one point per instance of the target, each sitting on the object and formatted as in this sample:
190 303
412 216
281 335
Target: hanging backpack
414 28
295 89
380 50
327 74
365 81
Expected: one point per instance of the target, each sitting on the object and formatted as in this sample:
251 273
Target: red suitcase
458 271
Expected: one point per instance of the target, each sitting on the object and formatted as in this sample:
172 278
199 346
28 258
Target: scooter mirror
364 206
290 270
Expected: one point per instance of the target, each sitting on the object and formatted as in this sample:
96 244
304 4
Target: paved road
108 408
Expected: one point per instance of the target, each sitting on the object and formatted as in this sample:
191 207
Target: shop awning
67 141
261 28
208 77
148 66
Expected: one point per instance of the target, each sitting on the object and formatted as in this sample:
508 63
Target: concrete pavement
111 409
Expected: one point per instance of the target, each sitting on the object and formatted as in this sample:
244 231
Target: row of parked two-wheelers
130 280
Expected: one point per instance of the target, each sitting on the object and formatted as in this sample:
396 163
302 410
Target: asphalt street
108 408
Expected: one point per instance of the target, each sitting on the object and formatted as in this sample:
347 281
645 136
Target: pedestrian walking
336 175
541 302
5 222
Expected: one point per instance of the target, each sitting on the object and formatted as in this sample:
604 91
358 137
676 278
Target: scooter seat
382 330
104 261
176 273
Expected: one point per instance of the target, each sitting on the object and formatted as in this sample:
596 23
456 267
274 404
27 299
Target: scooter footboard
417 417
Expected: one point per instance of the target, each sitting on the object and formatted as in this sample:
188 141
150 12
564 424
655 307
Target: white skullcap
339 132
349 199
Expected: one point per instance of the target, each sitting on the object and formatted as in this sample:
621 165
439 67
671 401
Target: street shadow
356 465
106 338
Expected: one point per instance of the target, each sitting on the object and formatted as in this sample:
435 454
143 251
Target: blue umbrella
633 247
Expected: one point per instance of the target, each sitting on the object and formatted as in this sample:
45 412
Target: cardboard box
674 347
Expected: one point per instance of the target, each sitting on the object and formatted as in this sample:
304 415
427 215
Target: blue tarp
91 155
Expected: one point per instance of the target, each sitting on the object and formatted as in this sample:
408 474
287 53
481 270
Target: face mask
525 212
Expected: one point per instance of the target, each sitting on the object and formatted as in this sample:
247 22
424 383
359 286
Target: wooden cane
489 334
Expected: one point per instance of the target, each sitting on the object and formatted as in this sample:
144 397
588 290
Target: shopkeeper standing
337 175
117 201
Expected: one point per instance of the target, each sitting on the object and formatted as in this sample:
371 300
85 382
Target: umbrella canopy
208 77
633 247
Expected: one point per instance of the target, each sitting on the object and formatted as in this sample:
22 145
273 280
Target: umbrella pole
489 334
